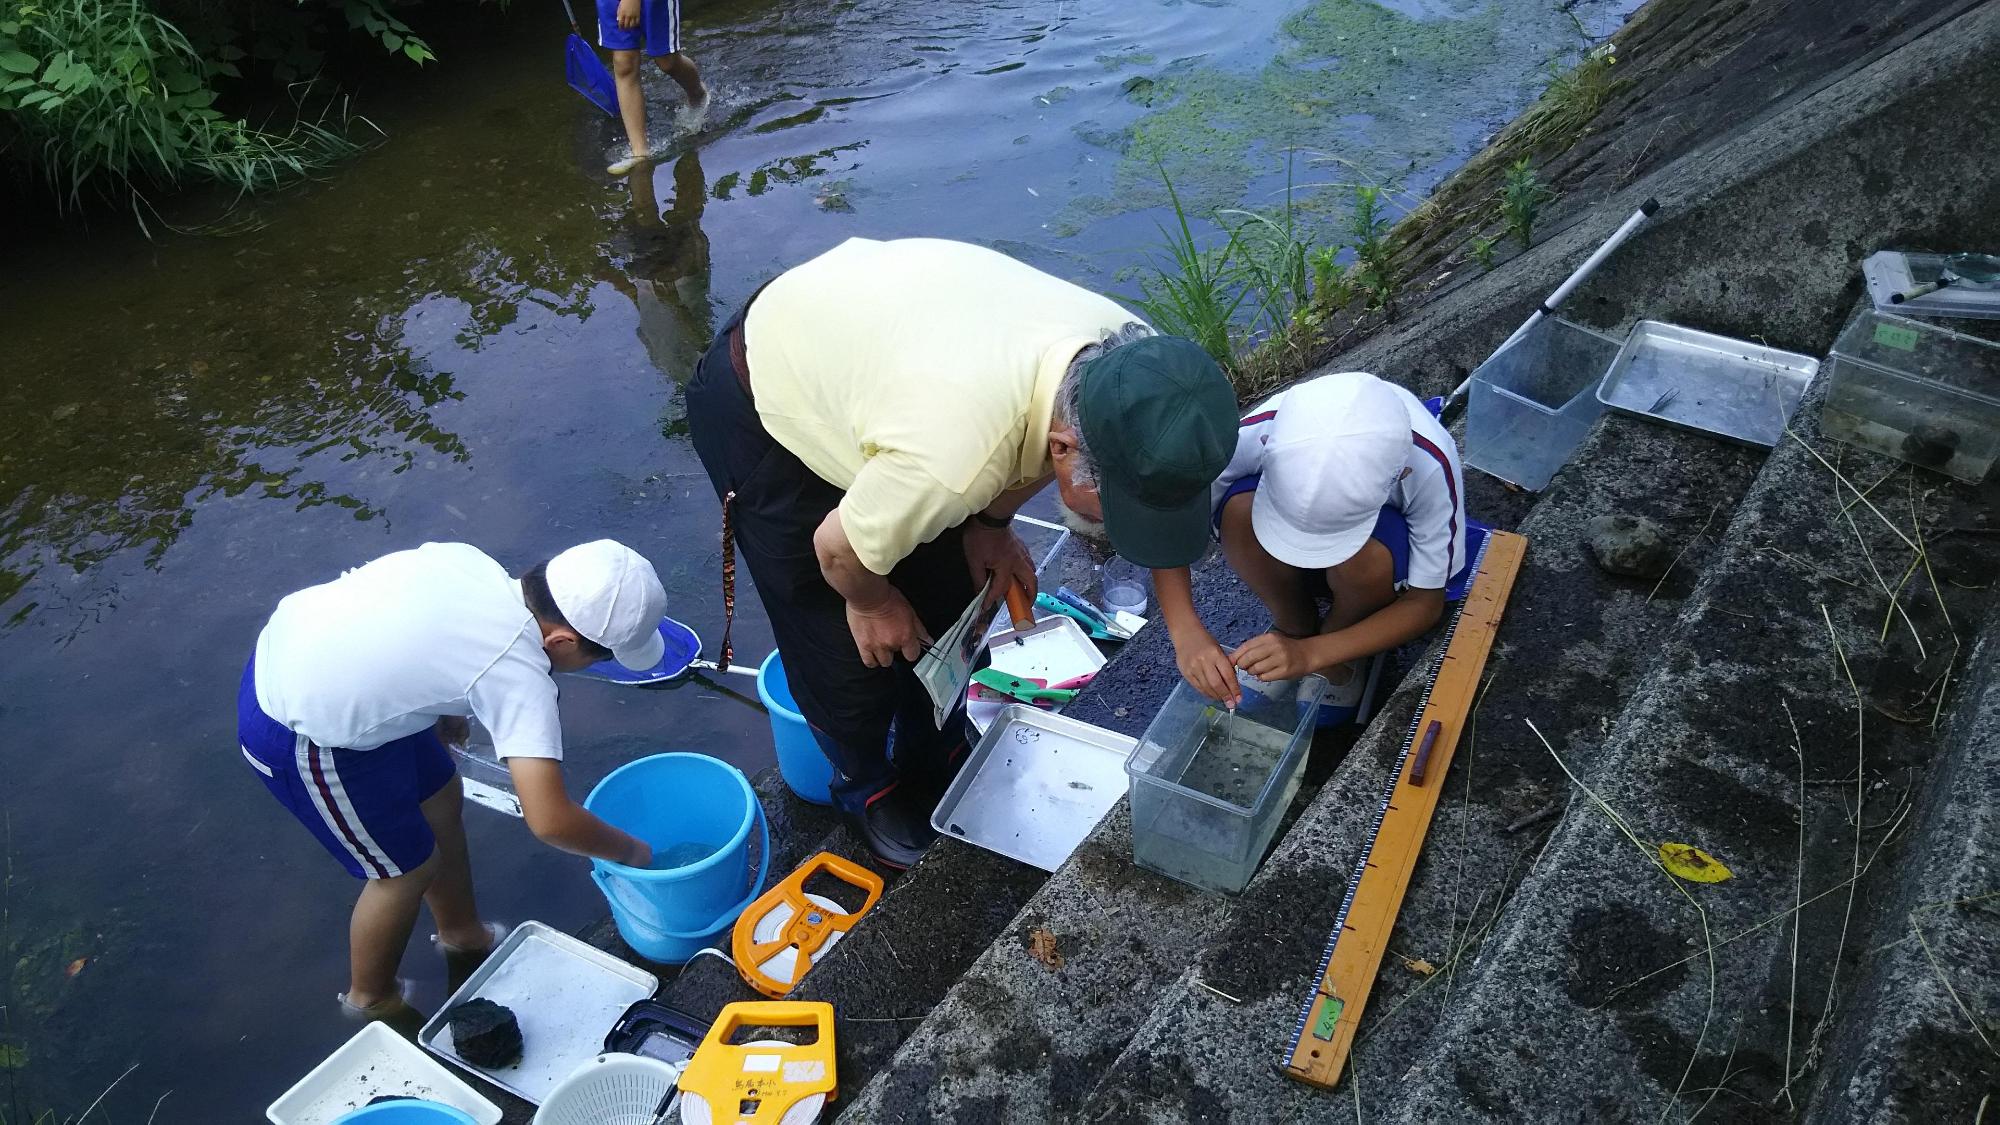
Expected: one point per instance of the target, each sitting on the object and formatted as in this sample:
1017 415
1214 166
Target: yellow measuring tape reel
765 1082
786 931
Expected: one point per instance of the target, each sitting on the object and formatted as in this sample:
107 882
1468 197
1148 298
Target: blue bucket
698 811
406 1111
801 762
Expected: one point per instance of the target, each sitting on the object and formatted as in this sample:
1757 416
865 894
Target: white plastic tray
1889 272
566 995
1734 389
375 1062
1035 786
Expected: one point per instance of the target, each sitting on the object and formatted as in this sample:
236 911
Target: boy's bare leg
380 927
631 106
1280 586
450 893
682 70
1361 586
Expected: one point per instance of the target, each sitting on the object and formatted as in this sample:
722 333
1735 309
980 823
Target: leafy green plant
374 18
1368 225
1191 293
1521 198
109 94
1482 251
1333 283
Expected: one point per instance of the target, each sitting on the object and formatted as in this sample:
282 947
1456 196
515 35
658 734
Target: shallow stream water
473 333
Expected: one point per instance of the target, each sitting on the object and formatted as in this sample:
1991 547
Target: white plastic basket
611 1089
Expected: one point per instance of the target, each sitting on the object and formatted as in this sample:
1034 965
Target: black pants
874 724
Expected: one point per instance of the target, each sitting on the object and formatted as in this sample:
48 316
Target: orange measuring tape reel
766 1082
786 931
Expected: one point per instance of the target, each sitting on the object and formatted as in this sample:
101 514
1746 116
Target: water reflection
667 277
313 377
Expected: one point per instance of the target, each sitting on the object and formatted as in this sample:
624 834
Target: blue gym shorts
363 806
658 33
1391 530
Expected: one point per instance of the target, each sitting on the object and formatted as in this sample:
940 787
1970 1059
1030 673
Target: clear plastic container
1534 402
1209 787
1917 392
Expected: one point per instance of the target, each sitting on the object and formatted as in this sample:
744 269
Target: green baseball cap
1159 418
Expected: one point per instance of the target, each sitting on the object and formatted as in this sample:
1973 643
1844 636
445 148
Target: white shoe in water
387 1008
495 931
621 167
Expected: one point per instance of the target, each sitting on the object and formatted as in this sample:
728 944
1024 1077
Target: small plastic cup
1125 587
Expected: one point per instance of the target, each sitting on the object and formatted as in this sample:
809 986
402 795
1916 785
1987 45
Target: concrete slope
1919 1040
1655 995
1571 646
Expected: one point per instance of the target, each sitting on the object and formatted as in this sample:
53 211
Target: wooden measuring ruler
1325 1031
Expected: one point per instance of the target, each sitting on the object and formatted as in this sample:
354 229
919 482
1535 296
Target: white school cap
612 596
1336 449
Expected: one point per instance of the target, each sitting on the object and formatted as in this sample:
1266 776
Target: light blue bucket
801 762
691 807
406 1111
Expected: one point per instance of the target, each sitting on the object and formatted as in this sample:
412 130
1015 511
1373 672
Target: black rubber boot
896 825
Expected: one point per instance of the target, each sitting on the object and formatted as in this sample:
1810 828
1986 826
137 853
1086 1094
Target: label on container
1896 336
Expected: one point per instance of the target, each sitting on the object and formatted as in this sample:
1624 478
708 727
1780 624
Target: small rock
485 1034
1633 546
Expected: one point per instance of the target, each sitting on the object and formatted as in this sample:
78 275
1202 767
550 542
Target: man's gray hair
1072 384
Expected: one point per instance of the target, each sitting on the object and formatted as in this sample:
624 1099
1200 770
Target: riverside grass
1257 300
109 98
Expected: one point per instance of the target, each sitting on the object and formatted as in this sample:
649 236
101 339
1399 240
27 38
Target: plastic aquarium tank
1209 788
1915 391
1533 403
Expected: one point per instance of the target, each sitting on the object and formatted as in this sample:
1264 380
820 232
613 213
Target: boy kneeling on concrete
1344 487
357 684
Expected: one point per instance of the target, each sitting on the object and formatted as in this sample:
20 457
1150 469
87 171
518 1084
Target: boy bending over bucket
1344 487
356 685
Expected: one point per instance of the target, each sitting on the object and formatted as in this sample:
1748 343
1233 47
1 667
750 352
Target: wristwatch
992 523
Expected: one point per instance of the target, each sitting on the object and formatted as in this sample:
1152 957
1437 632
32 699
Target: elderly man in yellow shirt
872 420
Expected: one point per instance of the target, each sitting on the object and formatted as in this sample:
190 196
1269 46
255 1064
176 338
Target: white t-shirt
1430 493
385 649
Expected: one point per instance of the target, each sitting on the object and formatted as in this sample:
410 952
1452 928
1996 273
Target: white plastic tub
1915 391
1534 402
374 1063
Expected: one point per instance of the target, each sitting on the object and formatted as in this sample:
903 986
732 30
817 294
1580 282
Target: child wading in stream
357 685
625 27
1344 487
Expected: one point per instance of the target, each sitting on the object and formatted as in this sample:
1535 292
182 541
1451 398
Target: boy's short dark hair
541 603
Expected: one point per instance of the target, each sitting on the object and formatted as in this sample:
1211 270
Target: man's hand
628 14
453 730
1273 656
1207 667
1000 554
885 631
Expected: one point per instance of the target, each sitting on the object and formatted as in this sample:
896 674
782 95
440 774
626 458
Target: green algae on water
1352 79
